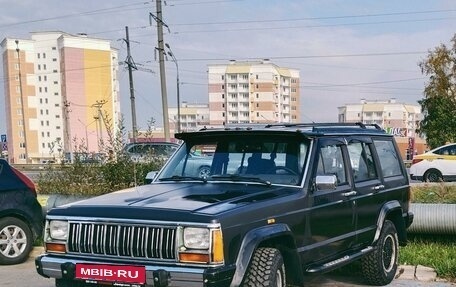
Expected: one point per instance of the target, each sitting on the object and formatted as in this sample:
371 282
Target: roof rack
332 125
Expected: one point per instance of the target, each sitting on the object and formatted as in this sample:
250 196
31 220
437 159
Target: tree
439 103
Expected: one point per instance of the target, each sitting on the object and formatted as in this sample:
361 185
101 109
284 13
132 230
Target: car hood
158 200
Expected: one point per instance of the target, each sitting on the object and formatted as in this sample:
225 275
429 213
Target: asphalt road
24 275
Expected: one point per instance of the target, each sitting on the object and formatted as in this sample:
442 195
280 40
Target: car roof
305 129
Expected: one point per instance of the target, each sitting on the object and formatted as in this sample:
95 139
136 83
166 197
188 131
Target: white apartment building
253 92
398 119
55 84
192 117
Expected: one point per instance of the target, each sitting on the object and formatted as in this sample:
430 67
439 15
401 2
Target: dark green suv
277 202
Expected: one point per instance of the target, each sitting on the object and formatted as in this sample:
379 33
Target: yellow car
435 165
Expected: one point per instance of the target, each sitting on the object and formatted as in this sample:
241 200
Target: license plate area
125 275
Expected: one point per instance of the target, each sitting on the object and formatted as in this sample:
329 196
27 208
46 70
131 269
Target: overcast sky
346 50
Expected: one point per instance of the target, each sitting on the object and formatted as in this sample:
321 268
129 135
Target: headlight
196 238
58 229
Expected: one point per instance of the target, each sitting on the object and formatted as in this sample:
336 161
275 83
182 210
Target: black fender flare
250 242
386 209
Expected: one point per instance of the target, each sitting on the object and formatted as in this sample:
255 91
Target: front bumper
156 275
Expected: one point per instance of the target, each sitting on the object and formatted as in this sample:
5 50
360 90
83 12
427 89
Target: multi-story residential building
192 117
253 92
399 119
61 91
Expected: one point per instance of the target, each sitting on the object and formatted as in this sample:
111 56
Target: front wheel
379 267
265 269
16 241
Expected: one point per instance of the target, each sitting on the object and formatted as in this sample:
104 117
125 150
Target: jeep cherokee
280 201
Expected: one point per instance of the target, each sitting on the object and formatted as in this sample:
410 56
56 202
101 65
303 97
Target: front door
332 218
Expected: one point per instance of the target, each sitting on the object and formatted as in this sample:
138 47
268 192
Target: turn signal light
194 258
55 247
217 246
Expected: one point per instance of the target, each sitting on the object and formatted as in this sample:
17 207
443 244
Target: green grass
436 251
434 193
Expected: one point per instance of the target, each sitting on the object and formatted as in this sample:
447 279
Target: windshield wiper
182 178
234 177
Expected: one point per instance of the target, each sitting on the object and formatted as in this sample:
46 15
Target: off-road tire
266 268
379 267
21 240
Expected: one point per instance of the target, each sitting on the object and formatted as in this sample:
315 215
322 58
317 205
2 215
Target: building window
257 95
44 55
21 134
223 87
41 101
43 145
47 123
38 55
42 123
54 48
57 127
57 105
54 59
55 82
40 89
256 77
57 116
223 77
16 66
256 86
44 66
45 89
41 112
56 94
55 71
39 67
18 89
47 112
45 78
48 134
39 78
22 145
16 78
19 112
223 96
20 123
42 134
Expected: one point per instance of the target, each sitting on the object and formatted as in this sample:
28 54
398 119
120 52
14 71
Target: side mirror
150 176
325 182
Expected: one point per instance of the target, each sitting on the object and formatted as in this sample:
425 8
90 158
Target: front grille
129 241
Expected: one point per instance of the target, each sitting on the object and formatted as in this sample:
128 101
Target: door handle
350 193
378 187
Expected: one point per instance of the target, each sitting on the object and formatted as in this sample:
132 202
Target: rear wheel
16 240
379 267
265 269
433 175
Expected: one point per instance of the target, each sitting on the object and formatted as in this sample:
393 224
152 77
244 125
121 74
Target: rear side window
362 162
390 161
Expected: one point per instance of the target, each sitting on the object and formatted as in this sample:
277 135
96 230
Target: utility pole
161 58
131 66
67 146
173 57
99 117
24 123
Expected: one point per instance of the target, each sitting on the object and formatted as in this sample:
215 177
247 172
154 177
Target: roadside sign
3 138
4 146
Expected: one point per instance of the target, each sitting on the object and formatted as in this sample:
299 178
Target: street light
171 54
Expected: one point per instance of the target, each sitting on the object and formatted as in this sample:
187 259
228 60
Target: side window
389 159
362 162
331 162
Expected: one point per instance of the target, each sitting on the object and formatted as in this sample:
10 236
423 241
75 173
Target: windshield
259 159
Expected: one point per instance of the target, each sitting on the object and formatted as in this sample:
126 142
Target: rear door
367 186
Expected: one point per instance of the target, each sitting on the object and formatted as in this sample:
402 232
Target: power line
311 26
315 18
92 12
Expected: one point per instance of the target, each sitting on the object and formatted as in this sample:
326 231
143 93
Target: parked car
279 201
146 151
21 216
435 165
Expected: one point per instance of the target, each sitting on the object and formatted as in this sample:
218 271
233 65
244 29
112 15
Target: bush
434 193
93 178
